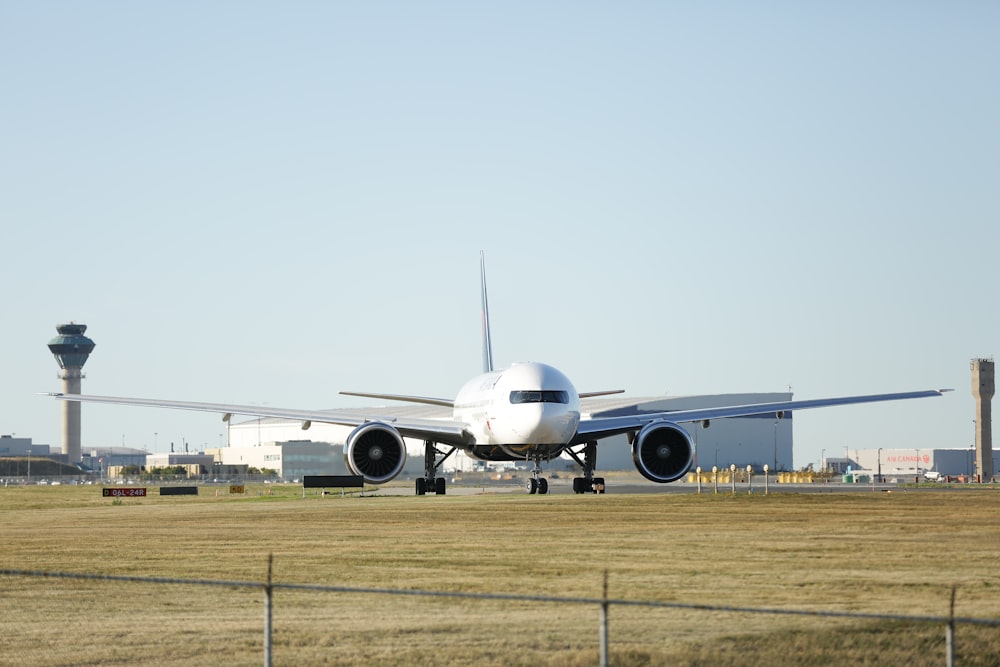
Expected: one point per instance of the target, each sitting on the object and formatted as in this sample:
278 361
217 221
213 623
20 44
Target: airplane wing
603 427
426 400
446 431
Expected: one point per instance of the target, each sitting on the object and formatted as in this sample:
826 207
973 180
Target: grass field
897 553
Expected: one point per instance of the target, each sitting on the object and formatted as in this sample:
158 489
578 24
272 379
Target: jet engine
662 451
375 451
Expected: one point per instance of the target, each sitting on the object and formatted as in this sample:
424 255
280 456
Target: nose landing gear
540 485
537 483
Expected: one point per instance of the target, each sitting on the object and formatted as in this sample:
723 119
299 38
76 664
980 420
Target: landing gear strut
537 483
433 458
588 483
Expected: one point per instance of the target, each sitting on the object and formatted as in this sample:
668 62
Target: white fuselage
525 405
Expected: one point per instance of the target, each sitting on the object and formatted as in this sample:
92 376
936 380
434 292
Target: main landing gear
588 483
433 458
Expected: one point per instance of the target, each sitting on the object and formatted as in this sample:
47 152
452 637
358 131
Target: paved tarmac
630 486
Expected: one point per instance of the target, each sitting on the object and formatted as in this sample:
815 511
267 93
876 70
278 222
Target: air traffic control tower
982 391
71 350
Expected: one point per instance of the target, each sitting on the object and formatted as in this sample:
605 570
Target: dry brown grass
895 553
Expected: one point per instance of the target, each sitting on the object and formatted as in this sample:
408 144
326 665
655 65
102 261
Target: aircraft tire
531 486
598 486
439 486
543 486
421 486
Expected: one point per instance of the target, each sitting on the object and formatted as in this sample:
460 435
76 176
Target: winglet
487 340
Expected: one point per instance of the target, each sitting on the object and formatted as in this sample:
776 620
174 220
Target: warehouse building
905 464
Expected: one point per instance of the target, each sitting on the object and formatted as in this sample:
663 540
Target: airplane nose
546 423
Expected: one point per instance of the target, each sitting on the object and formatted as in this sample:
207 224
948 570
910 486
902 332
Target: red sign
126 492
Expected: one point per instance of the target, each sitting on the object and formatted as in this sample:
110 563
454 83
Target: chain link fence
61 618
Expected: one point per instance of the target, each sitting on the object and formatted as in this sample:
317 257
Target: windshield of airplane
534 396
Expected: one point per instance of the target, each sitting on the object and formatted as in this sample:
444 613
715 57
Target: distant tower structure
71 350
982 391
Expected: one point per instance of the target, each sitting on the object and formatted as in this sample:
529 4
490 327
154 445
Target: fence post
604 623
268 594
949 633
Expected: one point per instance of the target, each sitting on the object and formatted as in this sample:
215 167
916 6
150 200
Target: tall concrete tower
982 391
71 350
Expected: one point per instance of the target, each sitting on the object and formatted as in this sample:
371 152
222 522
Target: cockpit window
533 396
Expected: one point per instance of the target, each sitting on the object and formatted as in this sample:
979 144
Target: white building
167 460
291 459
909 463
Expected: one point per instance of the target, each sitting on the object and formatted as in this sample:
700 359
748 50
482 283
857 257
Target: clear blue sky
271 202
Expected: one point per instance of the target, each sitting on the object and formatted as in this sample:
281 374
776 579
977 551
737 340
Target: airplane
527 412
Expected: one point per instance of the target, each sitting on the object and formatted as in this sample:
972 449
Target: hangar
905 464
756 441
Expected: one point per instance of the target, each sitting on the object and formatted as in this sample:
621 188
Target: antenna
487 340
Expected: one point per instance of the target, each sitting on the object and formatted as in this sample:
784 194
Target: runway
632 486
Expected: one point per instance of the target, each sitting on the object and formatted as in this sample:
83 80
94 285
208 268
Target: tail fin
487 341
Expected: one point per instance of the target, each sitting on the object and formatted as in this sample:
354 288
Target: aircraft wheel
421 486
598 485
531 486
543 486
439 486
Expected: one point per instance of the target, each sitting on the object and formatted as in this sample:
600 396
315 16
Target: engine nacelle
375 451
662 452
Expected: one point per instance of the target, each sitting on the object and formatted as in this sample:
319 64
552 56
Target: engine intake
375 451
662 452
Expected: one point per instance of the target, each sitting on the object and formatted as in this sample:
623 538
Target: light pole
880 465
776 443
822 461
972 461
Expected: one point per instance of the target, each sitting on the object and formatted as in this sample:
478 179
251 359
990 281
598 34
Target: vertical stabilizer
487 340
